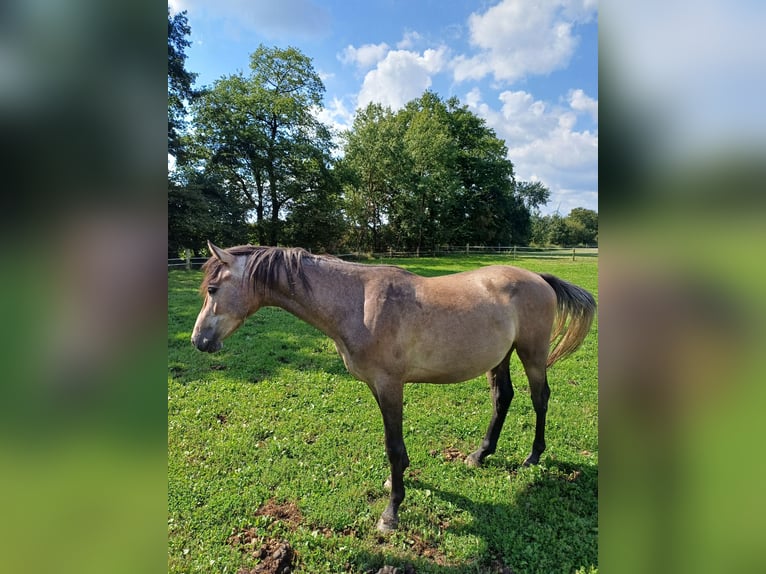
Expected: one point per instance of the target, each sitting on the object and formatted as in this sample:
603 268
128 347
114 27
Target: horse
391 327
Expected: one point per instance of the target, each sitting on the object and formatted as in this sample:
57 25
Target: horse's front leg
390 397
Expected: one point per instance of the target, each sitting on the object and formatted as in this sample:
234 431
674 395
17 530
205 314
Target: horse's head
227 301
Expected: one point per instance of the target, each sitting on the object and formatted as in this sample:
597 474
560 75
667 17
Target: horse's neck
327 302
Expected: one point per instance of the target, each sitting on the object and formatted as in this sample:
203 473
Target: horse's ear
223 256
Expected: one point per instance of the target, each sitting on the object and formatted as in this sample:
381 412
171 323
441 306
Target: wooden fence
513 252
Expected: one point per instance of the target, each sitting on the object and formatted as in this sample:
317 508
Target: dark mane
263 266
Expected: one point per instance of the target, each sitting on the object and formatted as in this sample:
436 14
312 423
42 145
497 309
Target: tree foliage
430 174
180 81
259 132
580 227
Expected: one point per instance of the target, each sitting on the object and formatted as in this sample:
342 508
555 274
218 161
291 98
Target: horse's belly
454 366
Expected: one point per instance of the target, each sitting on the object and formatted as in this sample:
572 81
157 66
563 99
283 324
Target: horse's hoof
531 460
473 461
387 525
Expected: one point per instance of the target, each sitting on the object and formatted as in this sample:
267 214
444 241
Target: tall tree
486 210
372 161
430 174
180 81
260 129
431 151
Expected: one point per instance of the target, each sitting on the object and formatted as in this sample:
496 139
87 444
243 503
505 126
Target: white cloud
410 39
177 6
582 103
335 114
545 145
516 38
364 56
338 117
401 76
473 98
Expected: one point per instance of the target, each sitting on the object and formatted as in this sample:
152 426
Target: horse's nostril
205 344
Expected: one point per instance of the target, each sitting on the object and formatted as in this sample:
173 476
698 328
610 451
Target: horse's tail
575 309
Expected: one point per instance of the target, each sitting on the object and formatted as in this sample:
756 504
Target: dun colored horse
391 326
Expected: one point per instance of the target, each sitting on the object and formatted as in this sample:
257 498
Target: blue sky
529 68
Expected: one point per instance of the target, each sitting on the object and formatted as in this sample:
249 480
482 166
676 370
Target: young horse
391 327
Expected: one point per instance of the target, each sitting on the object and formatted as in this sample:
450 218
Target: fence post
187 253
467 248
514 253
573 253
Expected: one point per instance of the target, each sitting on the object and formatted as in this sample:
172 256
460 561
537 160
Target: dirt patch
451 453
276 557
286 512
244 539
426 549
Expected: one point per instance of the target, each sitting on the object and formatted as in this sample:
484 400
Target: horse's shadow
551 525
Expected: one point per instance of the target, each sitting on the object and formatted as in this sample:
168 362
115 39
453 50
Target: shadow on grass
551 525
268 343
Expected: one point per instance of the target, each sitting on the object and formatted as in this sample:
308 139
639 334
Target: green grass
275 416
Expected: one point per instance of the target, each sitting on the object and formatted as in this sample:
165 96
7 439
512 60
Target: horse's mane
263 266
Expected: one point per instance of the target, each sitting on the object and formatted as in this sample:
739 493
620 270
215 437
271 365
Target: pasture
271 442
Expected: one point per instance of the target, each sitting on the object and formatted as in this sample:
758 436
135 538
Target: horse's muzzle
206 344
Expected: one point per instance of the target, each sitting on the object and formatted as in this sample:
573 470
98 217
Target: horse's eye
211 289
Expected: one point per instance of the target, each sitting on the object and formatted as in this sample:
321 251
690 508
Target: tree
369 171
180 81
430 174
484 210
259 130
580 227
533 194
583 226
202 206
429 178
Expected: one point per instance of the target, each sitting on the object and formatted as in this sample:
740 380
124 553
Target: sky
529 68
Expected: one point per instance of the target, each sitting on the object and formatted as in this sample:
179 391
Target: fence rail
514 252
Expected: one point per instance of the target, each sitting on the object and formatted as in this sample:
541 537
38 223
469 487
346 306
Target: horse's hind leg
534 366
390 400
502 393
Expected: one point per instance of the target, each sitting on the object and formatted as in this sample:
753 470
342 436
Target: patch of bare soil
451 453
286 512
275 558
425 549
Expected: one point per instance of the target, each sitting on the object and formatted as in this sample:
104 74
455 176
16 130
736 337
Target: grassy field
272 441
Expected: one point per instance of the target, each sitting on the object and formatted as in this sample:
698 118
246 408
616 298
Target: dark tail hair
575 309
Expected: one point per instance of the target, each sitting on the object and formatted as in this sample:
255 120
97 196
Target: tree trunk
259 208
